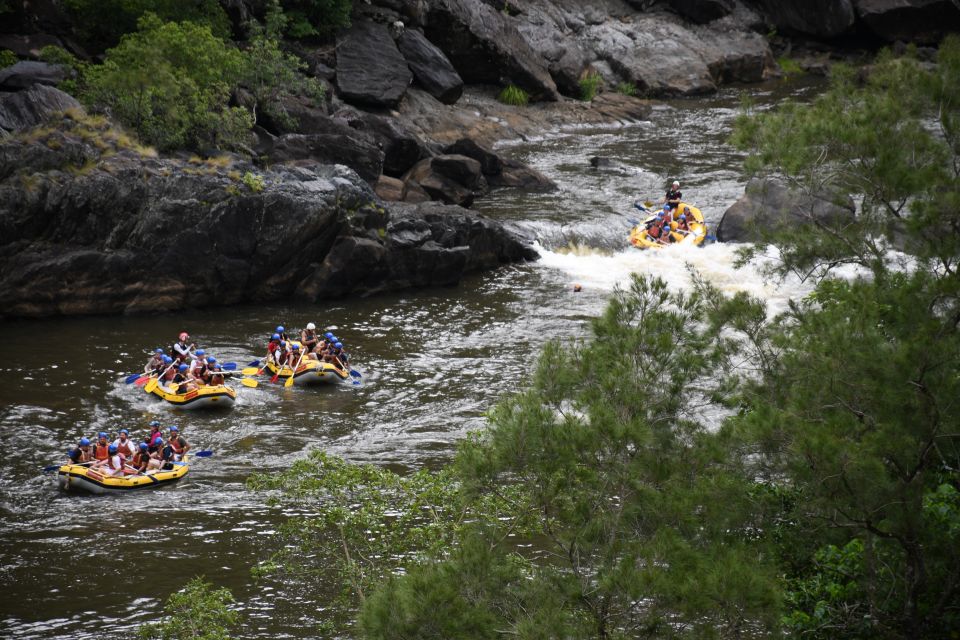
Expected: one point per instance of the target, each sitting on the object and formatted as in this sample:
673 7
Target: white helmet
311 326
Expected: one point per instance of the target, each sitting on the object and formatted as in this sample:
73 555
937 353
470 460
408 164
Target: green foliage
7 58
790 67
101 23
589 86
254 182
893 138
514 95
170 82
274 76
316 17
197 612
627 89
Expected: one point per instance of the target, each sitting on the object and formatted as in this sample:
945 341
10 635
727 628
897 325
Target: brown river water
432 362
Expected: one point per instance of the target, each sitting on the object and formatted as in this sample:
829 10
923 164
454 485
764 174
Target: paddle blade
151 385
142 380
255 363
247 382
132 378
229 366
288 382
51 468
354 373
275 377
204 454
250 371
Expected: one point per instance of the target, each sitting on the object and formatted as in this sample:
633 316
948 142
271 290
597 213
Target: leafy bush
627 89
589 85
197 611
514 95
790 67
254 182
170 83
101 23
316 17
7 58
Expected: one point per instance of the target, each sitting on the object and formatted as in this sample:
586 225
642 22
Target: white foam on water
596 269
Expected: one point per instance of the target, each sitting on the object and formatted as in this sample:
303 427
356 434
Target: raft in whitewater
218 396
696 236
311 372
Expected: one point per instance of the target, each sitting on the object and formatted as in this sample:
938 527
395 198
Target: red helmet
184 335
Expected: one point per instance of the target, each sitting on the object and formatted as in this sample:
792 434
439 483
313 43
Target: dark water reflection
432 362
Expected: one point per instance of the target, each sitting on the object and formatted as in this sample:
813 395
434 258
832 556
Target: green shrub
589 85
514 95
254 182
7 58
316 17
101 23
790 67
627 89
170 83
197 611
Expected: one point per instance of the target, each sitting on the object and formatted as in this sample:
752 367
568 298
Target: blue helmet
280 328
102 434
167 360
683 217
158 350
296 347
201 352
124 432
112 449
211 360
174 428
338 345
275 336
143 446
283 343
154 423
69 452
328 335
183 367
84 442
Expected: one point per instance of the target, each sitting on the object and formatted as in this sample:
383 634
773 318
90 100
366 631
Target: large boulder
485 47
452 179
920 21
501 172
401 148
370 69
339 144
768 204
26 109
819 18
430 67
26 73
85 241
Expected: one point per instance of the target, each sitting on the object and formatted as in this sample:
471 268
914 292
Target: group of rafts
312 360
695 234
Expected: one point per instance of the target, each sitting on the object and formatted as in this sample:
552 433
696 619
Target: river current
432 362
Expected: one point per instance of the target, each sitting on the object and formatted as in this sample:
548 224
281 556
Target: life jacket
308 337
216 378
100 451
198 368
655 231
176 446
115 462
176 354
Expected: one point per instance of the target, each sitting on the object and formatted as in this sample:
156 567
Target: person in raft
309 338
180 349
673 197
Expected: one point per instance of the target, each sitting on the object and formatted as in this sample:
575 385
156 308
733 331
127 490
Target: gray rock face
89 241
919 21
820 18
451 179
26 73
430 67
370 69
702 11
331 141
486 48
768 203
401 148
26 109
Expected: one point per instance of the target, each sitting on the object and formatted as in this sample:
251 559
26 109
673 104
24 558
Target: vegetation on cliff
597 504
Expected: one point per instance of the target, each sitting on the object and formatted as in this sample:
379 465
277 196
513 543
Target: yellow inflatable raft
696 235
311 372
206 397
80 477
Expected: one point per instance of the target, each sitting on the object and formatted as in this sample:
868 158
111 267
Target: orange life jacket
100 451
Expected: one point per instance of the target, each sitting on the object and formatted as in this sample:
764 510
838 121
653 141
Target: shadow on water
432 363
